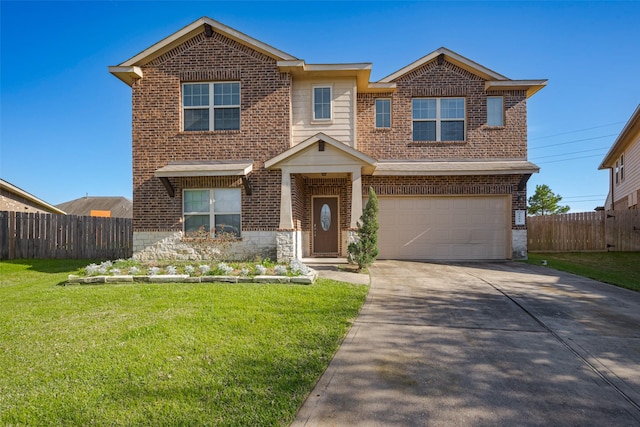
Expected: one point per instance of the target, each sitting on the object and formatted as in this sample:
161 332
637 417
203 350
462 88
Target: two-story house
623 162
231 134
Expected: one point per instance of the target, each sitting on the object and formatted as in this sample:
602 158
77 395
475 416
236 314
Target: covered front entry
320 196
444 227
325 226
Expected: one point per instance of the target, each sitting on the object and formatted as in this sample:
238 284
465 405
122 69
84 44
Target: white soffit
531 86
218 168
415 168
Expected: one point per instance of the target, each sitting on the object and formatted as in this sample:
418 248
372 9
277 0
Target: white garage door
444 228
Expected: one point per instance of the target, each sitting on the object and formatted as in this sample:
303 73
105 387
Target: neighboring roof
7 186
362 158
120 207
130 69
627 136
493 80
205 168
407 168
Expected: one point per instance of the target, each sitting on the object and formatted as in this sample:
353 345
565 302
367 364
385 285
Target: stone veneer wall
289 245
168 245
519 244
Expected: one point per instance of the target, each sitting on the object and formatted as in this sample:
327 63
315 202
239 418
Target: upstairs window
438 119
495 111
619 169
322 103
211 106
212 210
383 113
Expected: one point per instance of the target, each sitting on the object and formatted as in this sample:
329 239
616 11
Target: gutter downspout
613 198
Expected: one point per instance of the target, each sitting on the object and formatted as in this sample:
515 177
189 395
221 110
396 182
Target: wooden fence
586 231
40 235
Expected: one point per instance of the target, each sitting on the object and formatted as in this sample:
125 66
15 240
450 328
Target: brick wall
446 80
450 186
12 202
158 139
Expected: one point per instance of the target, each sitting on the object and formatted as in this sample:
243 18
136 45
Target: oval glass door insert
325 217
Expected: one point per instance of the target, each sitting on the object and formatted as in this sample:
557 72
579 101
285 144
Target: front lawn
162 354
617 268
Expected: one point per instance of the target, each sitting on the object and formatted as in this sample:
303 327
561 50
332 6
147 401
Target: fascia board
204 169
127 74
274 162
626 137
197 27
452 57
28 196
531 86
417 168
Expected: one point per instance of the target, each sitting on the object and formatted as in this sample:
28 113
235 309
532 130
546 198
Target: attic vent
208 31
441 59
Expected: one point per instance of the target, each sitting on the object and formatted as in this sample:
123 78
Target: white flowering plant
244 269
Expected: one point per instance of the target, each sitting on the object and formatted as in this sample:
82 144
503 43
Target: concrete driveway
484 344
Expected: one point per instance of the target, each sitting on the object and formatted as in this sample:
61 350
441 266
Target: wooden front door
325 226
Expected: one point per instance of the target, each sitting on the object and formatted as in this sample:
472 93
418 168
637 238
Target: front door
325 226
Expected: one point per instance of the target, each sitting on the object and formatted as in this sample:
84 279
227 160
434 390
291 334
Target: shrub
298 267
365 250
223 269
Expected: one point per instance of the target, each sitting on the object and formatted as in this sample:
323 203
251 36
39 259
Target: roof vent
208 31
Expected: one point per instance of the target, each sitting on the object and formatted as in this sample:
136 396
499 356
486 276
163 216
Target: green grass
617 268
162 354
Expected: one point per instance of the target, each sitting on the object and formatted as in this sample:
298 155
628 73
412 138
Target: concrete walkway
498 344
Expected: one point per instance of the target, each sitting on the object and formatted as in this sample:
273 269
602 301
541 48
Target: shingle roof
120 207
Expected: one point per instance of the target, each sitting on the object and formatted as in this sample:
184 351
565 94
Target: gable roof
345 150
493 80
628 135
10 188
130 70
120 207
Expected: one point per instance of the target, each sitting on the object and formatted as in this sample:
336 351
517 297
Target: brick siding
265 131
433 80
158 139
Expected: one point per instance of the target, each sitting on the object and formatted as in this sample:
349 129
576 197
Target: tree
365 250
545 202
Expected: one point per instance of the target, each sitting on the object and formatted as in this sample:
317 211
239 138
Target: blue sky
66 122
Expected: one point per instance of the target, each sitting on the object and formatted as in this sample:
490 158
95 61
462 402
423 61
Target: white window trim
438 119
313 103
212 212
211 107
376 113
501 111
622 167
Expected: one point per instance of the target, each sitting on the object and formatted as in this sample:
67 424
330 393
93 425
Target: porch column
356 197
286 216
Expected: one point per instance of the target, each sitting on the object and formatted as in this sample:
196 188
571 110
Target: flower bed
265 271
